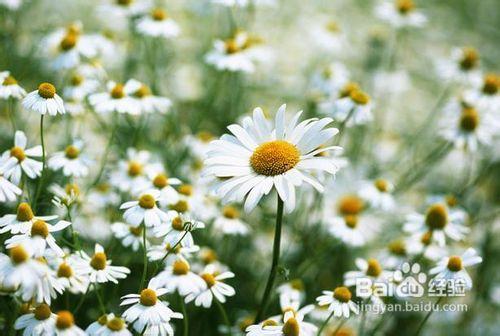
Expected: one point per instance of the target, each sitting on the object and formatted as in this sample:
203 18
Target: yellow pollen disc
147 201
269 323
142 92
405 6
64 320
491 84
176 250
118 91
382 185
18 153
274 158
160 181
344 331
103 320
72 189
136 231
181 206
42 312
297 284
18 254
230 212
347 89
359 97
71 152
178 224
73 29
332 27
40 228
209 279
186 189
350 205
9 80
455 263
426 238
245 323
209 256
46 90
124 2
231 46
64 271
291 327
25 308
397 247
351 221
158 14
103 187
98 261
205 136
470 59
342 294
116 324
374 269
451 201
68 42
24 212
437 217
469 119
76 80
134 168
180 267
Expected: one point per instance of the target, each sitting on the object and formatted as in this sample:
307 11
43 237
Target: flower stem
169 251
422 324
40 181
185 329
325 323
339 326
106 153
144 259
223 313
99 298
274 266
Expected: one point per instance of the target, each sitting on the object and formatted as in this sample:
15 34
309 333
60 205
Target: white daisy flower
395 254
293 324
367 269
354 107
144 210
257 158
126 8
440 222
11 4
128 235
95 327
400 13
331 79
179 277
148 313
19 159
339 301
486 96
44 100
243 3
8 191
40 321
131 175
328 36
98 268
462 67
67 275
378 194
102 196
65 325
163 183
115 99
65 197
158 24
22 221
71 161
177 229
39 238
80 87
229 223
215 287
292 291
9 87
423 244
453 267
147 102
158 252
115 326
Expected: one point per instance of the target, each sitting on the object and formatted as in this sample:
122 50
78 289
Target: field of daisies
249 167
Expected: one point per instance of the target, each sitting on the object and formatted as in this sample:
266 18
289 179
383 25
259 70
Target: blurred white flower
147 102
453 267
40 321
144 210
19 159
98 268
400 13
9 87
71 161
229 222
215 287
158 24
339 301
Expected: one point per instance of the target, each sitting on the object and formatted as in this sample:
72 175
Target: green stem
74 235
144 257
185 321
362 324
99 298
10 112
40 181
169 251
223 314
339 326
82 299
274 266
325 323
343 125
106 153
422 324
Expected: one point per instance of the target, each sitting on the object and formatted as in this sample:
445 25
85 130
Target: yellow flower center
274 158
24 212
76 80
230 212
351 221
103 187
332 27
342 294
18 254
297 284
98 261
160 181
451 201
178 224
40 228
46 90
136 231
426 238
42 312
175 250
124 2
180 267
359 97
65 320
455 263
209 256
382 185
405 6
9 80
291 327
269 323
245 323
470 59
71 152
115 324
72 189
491 84
18 153
68 42
134 168
181 206
64 271
347 89
231 46
186 189
374 269
103 319
209 279
469 119
350 205
118 91
397 247
437 217
205 136
147 201
158 14
143 91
